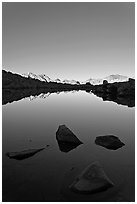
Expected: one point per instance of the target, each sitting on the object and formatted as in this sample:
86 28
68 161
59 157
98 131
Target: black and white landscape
68 96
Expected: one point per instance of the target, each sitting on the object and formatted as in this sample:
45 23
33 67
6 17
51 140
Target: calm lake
32 124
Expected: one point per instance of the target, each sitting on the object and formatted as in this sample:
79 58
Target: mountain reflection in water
11 95
47 176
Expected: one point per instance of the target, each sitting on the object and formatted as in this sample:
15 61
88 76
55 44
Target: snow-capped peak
41 77
112 78
44 77
116 78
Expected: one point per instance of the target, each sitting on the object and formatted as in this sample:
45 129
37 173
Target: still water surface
47 175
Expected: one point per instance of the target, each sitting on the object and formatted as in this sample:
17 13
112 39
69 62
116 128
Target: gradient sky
69 40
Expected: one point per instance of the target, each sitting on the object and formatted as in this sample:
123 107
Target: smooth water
47 175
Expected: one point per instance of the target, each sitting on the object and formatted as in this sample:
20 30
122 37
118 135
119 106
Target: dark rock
64 134
92 180
67 146
109 141
23 154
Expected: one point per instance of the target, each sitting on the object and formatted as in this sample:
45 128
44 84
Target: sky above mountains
69 40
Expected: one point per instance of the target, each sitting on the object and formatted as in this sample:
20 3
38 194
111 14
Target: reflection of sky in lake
33 124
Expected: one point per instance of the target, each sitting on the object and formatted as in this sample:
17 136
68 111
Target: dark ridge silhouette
23 154
109 141
16 81
11 95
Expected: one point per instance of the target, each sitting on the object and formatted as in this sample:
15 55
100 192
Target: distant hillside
10 80
16 81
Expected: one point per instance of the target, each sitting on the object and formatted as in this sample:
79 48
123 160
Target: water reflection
42 96
125 101
11 95
42 178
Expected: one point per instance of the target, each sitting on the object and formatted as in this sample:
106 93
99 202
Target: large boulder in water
109 141
92 180
23 154
64 134
67 146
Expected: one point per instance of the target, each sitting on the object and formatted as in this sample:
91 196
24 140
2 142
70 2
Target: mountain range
45 78
41 77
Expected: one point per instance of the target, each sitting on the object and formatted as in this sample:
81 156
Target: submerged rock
109 141
92 180
64 134
67 146
23 154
